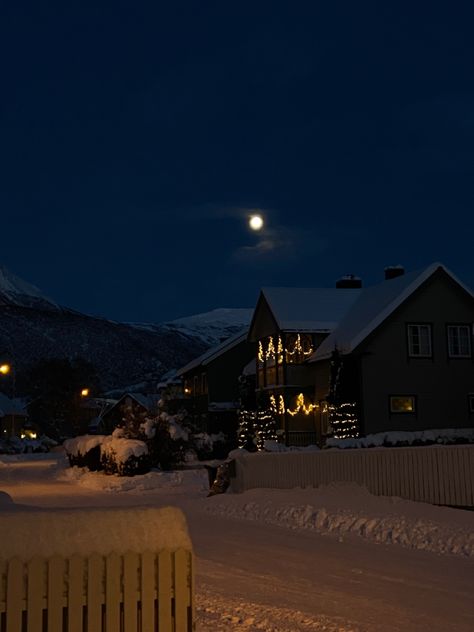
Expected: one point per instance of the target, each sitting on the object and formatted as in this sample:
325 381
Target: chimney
392 272
349 281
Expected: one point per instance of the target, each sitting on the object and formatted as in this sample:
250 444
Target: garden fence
442 475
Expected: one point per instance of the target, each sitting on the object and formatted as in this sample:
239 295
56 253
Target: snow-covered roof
372 307
309 309
214 352
12 406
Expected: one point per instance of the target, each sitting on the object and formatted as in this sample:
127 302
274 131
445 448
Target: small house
211 384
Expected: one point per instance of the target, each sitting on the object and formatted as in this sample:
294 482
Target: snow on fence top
26 533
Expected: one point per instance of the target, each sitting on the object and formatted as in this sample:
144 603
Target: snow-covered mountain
15 291
33 328
210 327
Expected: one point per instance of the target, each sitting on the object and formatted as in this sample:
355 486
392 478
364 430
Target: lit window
402 404
459 341
419 341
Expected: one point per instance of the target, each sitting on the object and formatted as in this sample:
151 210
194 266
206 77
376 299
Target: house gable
263 321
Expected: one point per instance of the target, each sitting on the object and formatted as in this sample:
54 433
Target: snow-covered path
256 576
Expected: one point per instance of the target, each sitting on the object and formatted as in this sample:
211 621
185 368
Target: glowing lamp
5 369
85 392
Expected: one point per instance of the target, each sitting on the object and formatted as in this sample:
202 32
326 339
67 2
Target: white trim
458 327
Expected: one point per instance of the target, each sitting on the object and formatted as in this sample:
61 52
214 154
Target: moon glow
256 222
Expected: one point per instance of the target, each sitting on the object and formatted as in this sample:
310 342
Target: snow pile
79 446
348 509
400 438
122 449
224 614
85 531
179 481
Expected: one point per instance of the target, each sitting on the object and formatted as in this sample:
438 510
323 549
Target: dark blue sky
135 137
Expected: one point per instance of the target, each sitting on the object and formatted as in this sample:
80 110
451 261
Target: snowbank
346 509
85 531
400 438
182 481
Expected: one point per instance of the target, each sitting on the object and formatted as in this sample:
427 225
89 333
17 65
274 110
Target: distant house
114 415
211 384
13 415
349 361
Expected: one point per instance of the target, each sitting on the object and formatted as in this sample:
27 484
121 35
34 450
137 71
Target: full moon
256 222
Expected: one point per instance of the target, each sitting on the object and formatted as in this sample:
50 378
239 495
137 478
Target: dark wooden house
351 360
211 384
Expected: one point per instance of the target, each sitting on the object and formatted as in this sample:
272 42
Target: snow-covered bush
85 451
123 456
15 445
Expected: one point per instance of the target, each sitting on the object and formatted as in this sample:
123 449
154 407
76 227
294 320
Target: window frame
457 326
411 354
402 396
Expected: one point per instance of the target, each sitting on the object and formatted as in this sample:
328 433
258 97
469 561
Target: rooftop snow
309 309
372 307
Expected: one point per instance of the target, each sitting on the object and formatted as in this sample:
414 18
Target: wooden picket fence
441 475
132 592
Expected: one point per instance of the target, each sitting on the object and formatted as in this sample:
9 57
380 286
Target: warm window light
85 392
5 368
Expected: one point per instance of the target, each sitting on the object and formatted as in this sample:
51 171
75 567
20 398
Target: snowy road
254 576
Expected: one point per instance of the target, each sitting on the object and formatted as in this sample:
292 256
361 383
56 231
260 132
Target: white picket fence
441 475
100 570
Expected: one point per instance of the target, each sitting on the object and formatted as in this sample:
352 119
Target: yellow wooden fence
131 592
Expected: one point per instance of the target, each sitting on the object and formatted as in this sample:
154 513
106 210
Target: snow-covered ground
333 559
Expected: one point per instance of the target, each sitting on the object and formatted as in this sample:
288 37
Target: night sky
136 138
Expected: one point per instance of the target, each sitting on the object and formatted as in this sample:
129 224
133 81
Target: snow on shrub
122 456
445 436
15 445
84 451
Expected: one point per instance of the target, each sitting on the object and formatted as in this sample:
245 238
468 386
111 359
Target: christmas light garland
301 406
270 354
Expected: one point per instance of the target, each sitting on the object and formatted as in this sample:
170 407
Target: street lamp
5 369
85 392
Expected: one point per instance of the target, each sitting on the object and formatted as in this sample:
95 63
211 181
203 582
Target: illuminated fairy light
343 419
270 354
301 406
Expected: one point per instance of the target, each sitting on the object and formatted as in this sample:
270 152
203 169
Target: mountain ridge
34 327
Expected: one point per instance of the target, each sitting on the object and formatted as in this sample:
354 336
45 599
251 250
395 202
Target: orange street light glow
5 368
85 392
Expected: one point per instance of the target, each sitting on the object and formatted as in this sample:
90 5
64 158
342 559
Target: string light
269 354
343 419
301 406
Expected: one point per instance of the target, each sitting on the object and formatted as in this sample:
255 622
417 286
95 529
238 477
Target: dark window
402 404
196 385
419 341
203 383
459 341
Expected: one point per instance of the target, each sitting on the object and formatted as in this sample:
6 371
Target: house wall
223 372
440 384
